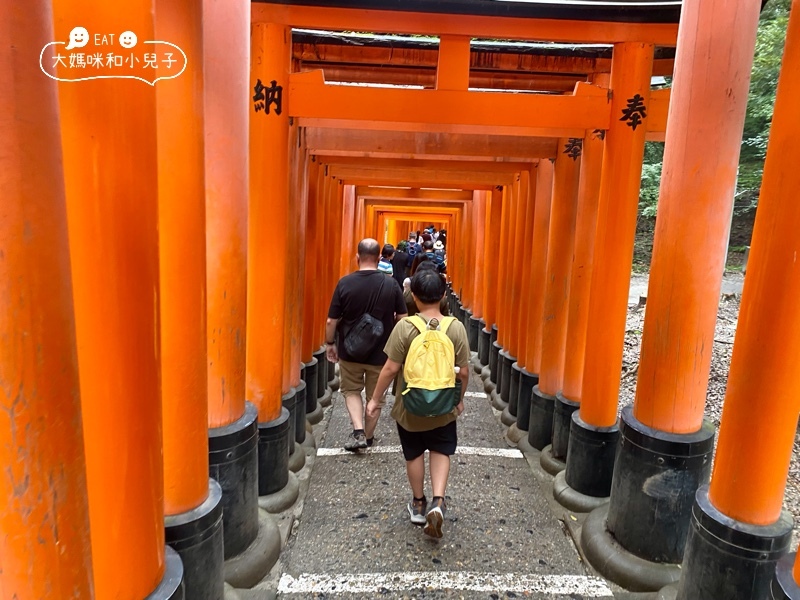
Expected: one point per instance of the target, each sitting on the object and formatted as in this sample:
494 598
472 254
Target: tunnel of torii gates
167 254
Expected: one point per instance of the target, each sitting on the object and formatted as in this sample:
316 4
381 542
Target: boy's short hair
427 286
387 251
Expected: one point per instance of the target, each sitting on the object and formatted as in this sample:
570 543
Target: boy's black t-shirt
352 298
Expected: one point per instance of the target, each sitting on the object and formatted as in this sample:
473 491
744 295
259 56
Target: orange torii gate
120 297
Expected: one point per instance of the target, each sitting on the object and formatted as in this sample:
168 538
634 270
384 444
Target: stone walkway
501 539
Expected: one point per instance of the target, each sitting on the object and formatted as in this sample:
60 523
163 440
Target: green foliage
651 178
763 82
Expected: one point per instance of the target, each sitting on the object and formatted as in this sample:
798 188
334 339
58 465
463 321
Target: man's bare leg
355 407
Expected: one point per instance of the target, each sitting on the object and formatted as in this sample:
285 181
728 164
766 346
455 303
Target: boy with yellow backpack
433 352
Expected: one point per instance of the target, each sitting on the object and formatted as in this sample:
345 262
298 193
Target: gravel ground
727 318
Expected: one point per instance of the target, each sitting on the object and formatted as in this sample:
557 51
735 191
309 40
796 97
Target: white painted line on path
374 583
463 450
475 395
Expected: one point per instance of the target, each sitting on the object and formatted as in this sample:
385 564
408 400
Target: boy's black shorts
442 440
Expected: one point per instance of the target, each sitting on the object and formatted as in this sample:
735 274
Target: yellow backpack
429 369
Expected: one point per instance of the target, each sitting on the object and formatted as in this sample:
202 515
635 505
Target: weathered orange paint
226 56
108 134
560 245
268 224
708 110
539 252
479 202
586 108
502 278
620 179
295 264
491 254
506 28
314 263
45 548
510 28
581 274
452 69
763 395
527 288
517 257
348 231
182 263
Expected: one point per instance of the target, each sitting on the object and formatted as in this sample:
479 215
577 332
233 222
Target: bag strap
418 322
374 299
446 323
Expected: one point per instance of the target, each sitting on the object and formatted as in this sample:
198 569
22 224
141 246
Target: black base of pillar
504 383
472 332
728 559
196 536
484 344
312 383
453 300
171 585
527 381
301 400
273 454
331 372
540 426
494 362
614 562
784 587
513 392
653 470
322 373
590 458
289 402
573 500
233 463
562 422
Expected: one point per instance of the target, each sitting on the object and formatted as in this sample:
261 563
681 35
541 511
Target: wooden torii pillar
663 436
192 501
232 422
267 264
762 401
41 432
115 265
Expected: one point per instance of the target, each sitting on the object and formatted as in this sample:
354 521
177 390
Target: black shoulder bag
362 338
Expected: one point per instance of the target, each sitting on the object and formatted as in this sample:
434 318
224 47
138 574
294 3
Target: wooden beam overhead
351 59
567 115
411 144
420 177
392 193
426 77
445 165
500 28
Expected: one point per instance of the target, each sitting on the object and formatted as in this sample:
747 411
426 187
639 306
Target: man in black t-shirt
352 298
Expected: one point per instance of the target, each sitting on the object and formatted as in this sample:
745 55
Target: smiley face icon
78 38
127 39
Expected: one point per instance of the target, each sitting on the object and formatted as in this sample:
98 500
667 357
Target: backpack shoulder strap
418 322
446 323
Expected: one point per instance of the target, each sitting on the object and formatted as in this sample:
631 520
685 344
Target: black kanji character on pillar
265 96
573 148
599 134
635 112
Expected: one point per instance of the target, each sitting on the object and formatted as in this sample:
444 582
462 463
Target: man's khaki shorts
355 378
